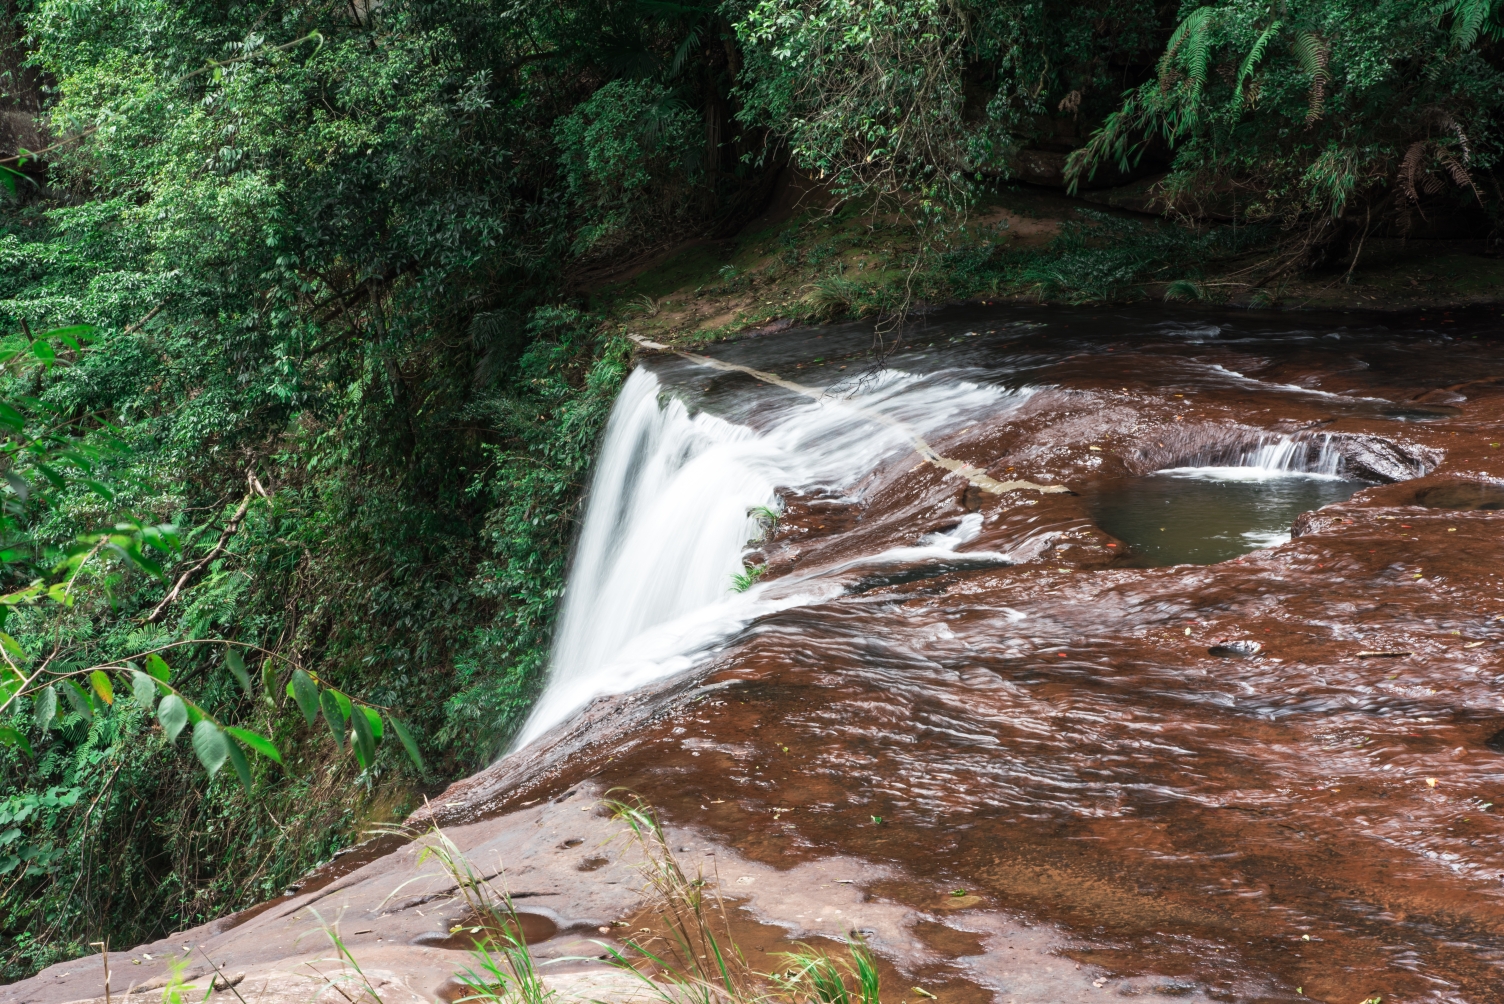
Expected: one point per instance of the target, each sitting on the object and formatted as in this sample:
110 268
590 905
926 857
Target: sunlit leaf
373 721
302 689
210 745
344 704
236 665
407 742
157 667
173 714
333 717
365 743
143 689
258 743
44 351
101 684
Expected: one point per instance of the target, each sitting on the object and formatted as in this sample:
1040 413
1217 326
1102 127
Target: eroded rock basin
938 688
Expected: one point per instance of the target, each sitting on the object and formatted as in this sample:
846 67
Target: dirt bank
803 263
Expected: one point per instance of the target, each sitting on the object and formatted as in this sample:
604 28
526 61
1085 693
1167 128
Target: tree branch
253 488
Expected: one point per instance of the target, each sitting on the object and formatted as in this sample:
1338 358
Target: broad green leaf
344 704
46 708
333 717
11 418
258 743
44 351
242 769
78 699
407 741
101 684
11 681
236 665
19 485
13 647
210 745
157 667
100 488
302 689
374 721
53 476
365 744
143 689
269 682
13 737
173 714
72 335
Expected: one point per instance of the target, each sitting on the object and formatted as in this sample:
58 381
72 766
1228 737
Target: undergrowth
694 959
1100 257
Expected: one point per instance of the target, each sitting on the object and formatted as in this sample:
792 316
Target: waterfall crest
667 523
1276 457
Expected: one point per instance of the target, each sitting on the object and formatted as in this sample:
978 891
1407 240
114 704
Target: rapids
1270 777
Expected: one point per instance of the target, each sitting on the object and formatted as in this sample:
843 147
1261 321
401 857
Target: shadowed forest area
313 314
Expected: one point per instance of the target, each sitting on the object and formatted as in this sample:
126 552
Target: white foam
667 521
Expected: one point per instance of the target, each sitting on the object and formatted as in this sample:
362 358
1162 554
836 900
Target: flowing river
1179 632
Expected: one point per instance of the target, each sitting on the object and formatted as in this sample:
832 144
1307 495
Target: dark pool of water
1200 516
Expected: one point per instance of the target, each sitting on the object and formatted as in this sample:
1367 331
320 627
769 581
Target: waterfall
1294 455
666 521
1281 457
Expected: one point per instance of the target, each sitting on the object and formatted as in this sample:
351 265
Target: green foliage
1100 257
317 254
628 157
1331 109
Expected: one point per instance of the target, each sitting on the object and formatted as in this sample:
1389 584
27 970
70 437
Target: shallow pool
1202 515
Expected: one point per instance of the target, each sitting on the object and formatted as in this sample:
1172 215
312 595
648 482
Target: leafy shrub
627 153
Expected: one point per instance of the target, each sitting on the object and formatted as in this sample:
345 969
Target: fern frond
1314 55
1199 47
1470 18
1254 57
1410 167
1110 140
1194 34
1460 176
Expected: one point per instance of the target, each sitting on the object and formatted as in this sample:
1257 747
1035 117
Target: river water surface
1223 702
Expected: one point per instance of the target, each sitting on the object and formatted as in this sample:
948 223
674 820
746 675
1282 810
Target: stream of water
1242 747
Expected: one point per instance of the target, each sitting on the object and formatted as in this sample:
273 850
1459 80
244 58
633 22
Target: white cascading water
667 520
1286 456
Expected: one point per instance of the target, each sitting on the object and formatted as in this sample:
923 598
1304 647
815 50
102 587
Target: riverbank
804 264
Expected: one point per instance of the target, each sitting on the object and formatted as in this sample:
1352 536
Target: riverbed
1260 759
1057 654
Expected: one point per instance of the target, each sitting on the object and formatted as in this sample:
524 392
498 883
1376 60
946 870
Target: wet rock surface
1041 773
